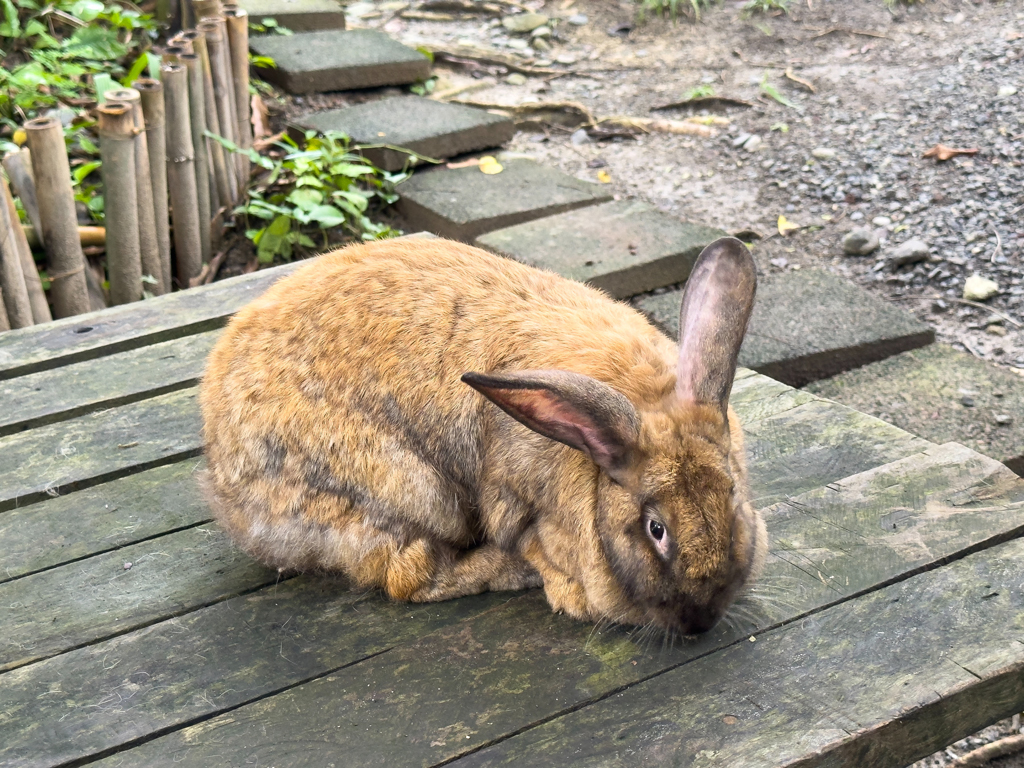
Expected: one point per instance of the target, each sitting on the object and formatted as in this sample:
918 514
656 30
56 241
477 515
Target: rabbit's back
343 383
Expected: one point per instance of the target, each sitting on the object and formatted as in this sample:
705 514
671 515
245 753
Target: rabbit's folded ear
568 407
717 302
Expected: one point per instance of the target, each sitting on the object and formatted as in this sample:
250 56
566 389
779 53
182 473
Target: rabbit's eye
657 530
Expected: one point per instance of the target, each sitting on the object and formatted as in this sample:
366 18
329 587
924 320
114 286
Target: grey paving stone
810 324
434 129
463 203
924 392
339 60
297 15
625 247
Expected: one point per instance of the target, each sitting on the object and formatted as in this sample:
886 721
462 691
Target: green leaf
351 169
86 10
137 68
327 216
11 26
306 198
81 172
770 90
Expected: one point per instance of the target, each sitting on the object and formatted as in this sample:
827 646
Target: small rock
978 288
579 137
578 19
860 242
541 32
519 44
967 401
782 262
541 44
740 140
913 251
565 58
881 221
1006 91
127 566
752 144
996 330
524 22
823 153
856 216
1004 420
516 79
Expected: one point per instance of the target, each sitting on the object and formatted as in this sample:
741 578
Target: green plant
764 6
699 92
672 8
311 190
771 91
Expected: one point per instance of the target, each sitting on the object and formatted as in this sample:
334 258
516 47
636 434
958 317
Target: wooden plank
56 458
816 443
465 687
755 397
125 377
64 608
92 700
100 519
130 326
879 681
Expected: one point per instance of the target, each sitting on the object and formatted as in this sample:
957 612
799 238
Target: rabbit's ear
717 302
568 407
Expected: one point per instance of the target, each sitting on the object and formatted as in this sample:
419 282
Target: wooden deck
135 635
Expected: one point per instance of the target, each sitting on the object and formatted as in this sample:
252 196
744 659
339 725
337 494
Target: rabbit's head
677 535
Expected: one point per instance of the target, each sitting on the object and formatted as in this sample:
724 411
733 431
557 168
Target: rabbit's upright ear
568 407
717 302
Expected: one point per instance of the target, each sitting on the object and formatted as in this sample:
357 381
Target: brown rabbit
341 434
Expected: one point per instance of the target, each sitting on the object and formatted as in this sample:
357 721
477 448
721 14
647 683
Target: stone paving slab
297 15
625 247
431 128
339 60
926 391
809 325
464 203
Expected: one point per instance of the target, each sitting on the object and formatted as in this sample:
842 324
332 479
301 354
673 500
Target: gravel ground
887 86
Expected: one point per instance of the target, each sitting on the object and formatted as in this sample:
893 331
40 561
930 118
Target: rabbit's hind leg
486 568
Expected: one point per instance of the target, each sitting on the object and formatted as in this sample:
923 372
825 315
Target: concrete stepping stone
339 60
297 15
809 325
431 128
625 247
464 203
942 395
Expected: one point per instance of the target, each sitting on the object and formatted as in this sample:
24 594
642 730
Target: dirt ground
869 91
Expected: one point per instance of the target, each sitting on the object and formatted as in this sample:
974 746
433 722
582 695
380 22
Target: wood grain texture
78 388
64 608
57 458
99 519
519 665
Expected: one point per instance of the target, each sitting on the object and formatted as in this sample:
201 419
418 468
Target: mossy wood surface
136 634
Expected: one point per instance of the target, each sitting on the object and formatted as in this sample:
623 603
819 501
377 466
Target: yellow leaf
20 137
603 177
490 165
786 226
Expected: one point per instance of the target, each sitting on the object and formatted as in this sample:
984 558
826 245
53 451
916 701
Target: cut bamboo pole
172 52
52 174
5 324
36 296
152 95
203 9
149 247
121 206
197 120
181 176
19 169
224 90
237 24
12 279
226 183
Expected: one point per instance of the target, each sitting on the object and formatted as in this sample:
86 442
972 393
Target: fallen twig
845 30
706 102
1007 745
487 59
569 114
800 81
998 248
968 302
648 125
209 271
448 93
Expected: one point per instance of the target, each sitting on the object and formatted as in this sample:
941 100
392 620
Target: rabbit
589 454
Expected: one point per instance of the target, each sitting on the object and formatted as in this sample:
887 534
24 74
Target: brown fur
340 437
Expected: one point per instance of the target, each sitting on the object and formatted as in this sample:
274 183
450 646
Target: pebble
516 79
856 216
578 19
752 144
1006 91
996 330
565 58
1004 420
541 44
518 44
579 137
524 22
881 221
913 251
740 140
860 242
967 401
823 153
544 31
978 288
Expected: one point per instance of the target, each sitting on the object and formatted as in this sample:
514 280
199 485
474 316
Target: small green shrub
765 6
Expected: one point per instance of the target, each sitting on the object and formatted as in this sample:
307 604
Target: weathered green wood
56 458
467 686
94 699
125 377
755 397
82 602
816 443
130 326
879 681
99 519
